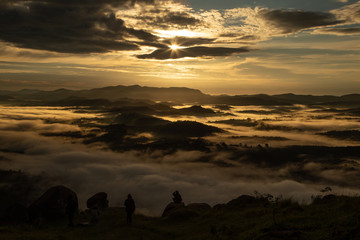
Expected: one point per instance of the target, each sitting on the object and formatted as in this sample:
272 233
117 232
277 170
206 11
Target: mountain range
176 95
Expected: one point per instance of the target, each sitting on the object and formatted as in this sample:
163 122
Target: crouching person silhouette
130 208
177 197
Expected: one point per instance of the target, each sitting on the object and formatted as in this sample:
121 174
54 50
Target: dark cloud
230 35
180 41
240 37
290 21
67 26
185 41
141 34
180 18
341 31
82 3
249 38
167 18
168 53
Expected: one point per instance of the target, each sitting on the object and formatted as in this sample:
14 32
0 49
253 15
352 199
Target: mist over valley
151 141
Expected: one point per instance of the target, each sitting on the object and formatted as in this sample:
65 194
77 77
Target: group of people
94 211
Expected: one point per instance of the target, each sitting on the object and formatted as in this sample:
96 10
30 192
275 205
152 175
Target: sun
175 47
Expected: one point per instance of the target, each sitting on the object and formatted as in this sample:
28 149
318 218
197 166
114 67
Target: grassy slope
324 219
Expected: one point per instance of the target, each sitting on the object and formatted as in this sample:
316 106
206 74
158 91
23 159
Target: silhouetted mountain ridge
178 95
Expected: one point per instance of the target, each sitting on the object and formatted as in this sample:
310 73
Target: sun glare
175 47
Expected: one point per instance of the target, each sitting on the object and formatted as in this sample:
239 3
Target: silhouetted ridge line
179 95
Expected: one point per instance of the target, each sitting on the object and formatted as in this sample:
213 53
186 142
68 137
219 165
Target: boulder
242 201
199 206
325 199
100 200
171 207
181 214
52 204
329 197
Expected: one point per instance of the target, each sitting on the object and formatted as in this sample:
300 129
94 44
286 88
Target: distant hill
179 95
306 99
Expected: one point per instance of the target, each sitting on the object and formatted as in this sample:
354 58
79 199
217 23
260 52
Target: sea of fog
31 140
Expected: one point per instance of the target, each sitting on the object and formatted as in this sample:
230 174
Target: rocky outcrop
99 200
178 211
199 206
52 204
182 214
242 200
246 200
171 207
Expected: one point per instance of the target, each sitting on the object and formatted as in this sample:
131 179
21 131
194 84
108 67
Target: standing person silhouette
70 209
94 211
130 208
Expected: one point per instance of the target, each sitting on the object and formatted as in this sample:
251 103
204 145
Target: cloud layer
68 27
168 53
290 21
215 176
109 25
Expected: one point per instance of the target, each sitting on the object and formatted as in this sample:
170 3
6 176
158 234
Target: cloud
178 18
340 31
151 176
162 15
69 27
349 13
194 52
290 21
104 26
35 125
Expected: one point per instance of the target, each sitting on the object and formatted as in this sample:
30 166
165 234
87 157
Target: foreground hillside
332 217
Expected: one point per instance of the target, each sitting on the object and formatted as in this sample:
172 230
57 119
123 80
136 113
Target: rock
199 206
172 207
329 197
51 205
99 200
325 199
181 214
242 201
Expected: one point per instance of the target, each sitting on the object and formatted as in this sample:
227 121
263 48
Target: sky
228 46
